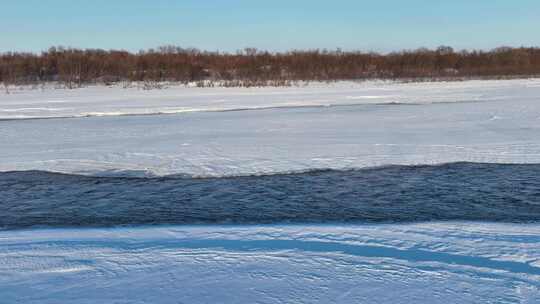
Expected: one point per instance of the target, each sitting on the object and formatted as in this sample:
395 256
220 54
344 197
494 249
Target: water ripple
458 191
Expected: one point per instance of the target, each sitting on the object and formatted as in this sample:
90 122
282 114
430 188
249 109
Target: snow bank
500 123
431 263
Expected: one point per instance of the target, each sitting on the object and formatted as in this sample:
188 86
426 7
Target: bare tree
252 67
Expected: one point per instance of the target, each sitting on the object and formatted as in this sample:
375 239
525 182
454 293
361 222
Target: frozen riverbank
431 263
49 102
499 122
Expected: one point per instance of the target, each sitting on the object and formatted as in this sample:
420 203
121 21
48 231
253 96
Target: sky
275 25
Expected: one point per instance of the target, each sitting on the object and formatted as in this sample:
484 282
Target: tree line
76 67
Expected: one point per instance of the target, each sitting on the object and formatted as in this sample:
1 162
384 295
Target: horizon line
240 51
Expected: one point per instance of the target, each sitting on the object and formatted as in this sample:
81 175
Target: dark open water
459 191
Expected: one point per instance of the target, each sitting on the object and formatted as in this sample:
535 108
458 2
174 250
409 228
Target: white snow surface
231 131
28 103
415 263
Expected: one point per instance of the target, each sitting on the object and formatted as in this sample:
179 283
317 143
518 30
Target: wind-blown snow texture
421 263
478 121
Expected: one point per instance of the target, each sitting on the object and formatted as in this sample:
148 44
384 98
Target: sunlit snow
479 121
420 263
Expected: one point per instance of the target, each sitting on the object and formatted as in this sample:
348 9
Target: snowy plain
48 101
270 130
216 132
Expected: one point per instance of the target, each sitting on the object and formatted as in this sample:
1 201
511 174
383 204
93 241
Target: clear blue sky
379 25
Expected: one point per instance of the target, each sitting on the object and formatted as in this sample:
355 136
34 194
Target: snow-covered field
49 102
427 263
222 132
428 123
